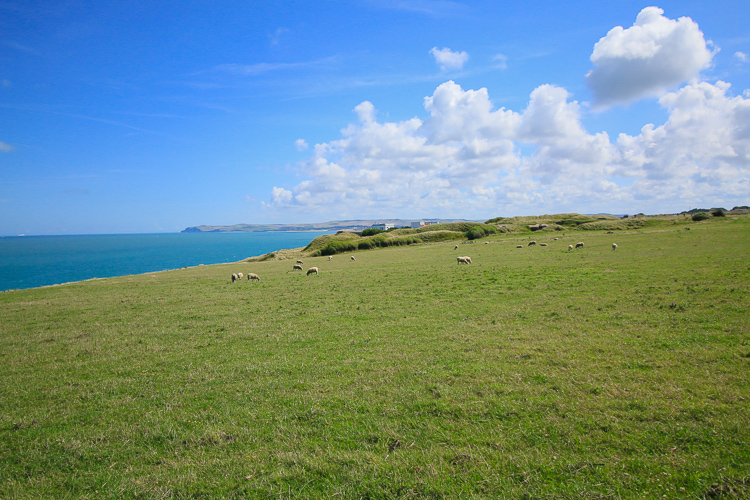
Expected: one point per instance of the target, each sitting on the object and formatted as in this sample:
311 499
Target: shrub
700 216
480 231
335 247
372 232
718 212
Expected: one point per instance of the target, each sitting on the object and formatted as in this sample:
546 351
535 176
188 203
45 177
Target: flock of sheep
297 267
464 259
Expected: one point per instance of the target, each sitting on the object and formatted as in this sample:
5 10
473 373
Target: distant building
418 224
383 226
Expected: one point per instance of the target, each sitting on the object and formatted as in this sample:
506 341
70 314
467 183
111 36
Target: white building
418 224
383 226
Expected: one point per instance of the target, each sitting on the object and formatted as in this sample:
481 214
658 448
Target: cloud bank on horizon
467 157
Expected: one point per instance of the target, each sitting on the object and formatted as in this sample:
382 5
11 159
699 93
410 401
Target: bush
372 232
700 216
719 212
480 231
335 247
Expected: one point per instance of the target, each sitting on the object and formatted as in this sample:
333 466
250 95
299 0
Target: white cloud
5 147
467 158
500 61
740 56
301 145
654 55
464 158
449 60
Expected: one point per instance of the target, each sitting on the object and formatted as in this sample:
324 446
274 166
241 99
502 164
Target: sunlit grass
534 371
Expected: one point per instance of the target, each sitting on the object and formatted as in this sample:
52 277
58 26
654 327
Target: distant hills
338 225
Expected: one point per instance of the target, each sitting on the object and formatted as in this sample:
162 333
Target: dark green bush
700 216
372 232
480 231
719 212
335 247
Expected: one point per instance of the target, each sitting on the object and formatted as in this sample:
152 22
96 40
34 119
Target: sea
34 261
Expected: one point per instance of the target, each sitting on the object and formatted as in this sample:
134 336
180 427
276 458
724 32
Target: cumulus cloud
740 56
653 56
467 157
449 60
301 145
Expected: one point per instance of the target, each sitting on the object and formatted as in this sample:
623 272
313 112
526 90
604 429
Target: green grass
532 373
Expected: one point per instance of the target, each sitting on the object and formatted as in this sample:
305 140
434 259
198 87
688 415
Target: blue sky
120 117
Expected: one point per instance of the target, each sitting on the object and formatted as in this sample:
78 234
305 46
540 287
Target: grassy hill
531 373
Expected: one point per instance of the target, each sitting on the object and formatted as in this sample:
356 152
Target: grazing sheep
252 276
542 244
463 260
330 257
239 276
555 239
614 246
353 257
455 248
579 244
532 243
300 262
519 246
570 248
297 267
312 270
234 277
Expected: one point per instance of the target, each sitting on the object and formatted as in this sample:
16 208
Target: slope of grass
532 373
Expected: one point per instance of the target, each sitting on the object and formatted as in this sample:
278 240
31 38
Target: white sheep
532 243
519 246
614 246
239 276
297 267
330 257
252 276
556 239
579 244
234 277
353 257
312 270
300 262
463 260
570 248
455 248
542 244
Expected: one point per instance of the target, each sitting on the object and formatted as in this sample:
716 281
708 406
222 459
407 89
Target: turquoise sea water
33 261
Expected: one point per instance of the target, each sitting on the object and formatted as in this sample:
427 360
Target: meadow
531 373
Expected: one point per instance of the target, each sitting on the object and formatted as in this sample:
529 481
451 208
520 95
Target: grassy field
531 373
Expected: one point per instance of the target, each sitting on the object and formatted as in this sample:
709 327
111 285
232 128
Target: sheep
579 244
330 257
234 277
614 246
463 260
252 276
455 248
542 244
532 243
555 239
297 267
570 248
300 262
353 257
519 246
312 270
239 276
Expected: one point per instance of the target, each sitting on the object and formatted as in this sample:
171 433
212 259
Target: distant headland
339 225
